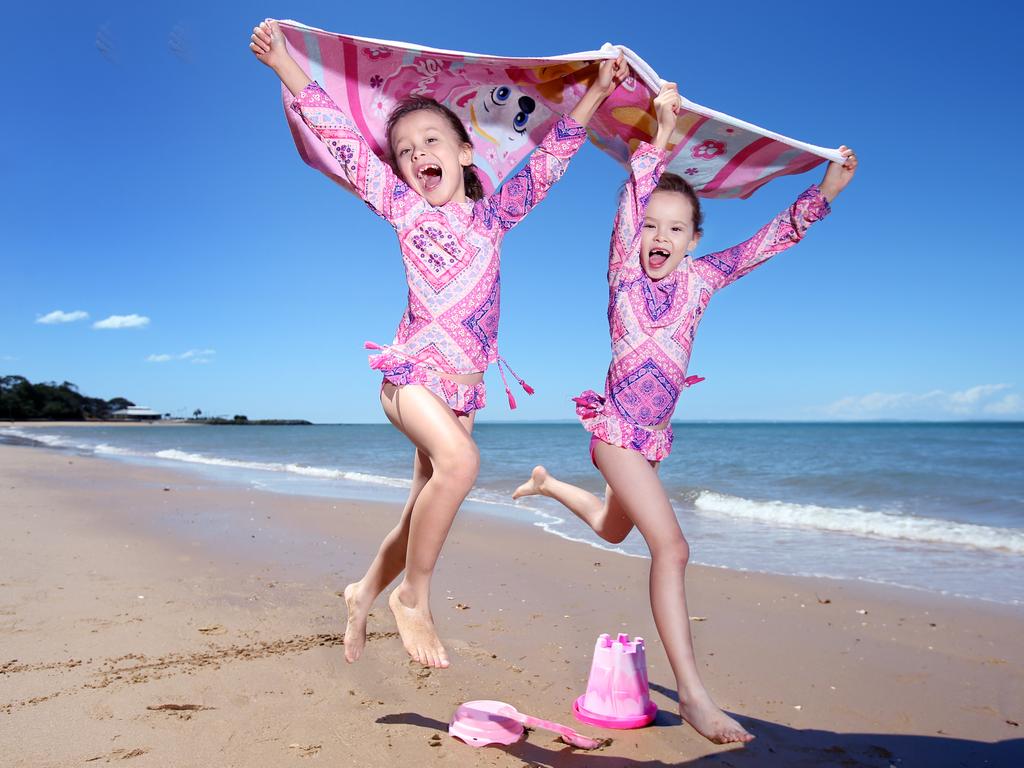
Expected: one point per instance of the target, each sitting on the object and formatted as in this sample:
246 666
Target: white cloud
1007 406
59 316
970 399
981 400
198 356
122 321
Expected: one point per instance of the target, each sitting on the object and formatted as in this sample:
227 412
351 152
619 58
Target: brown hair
474 189
672 182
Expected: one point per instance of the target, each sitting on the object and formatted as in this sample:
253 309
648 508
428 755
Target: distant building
136 413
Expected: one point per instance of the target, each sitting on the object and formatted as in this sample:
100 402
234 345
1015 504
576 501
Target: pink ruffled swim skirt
604 422
463 399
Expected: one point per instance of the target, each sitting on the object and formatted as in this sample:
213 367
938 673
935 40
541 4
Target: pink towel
509 104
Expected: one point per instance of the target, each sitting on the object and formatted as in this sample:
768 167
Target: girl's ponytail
474 188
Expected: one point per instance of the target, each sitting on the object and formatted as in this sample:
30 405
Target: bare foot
355 627
712 723
534 485
416 627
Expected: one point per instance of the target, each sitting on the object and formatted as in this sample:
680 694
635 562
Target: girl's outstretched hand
666 106
838 175
610 75
269 47
268 44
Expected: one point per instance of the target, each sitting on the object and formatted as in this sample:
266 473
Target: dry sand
151 616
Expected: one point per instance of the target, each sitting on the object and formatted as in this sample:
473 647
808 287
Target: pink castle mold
618 694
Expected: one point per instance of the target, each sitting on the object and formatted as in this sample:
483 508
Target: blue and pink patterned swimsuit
451 253
653 322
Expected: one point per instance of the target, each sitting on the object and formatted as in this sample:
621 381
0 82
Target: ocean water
935 507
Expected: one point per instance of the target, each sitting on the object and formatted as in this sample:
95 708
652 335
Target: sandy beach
151 616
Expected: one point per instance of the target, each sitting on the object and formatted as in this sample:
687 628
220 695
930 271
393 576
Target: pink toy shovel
479 723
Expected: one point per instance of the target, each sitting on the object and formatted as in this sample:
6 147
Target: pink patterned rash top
451 253
653 323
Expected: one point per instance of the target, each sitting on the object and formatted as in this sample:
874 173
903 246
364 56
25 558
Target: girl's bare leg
385 568
439 435
639 490
608 518
390 559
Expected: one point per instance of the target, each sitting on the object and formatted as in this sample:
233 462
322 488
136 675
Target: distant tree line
22 400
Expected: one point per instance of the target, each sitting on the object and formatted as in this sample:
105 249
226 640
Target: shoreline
131 587
357 485
873 589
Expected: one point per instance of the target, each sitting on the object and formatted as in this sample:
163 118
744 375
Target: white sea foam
553 524
860 522
53 441
173 454
326 473
304 470
363 477
112 450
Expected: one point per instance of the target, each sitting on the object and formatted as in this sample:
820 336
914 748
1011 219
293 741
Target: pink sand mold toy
618 694
479 723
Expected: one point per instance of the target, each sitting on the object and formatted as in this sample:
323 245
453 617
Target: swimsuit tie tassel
689 381
502 364
511 400
526 387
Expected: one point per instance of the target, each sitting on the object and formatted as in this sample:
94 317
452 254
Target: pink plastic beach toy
483 722
479 723
618 694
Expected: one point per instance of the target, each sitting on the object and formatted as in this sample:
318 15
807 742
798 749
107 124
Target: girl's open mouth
657 257
430 177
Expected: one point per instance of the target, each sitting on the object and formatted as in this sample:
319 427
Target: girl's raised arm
647 163
370 177
786 229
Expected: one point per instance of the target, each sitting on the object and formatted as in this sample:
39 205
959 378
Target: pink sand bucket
618 694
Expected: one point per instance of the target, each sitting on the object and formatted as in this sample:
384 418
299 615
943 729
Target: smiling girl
450 235
657 296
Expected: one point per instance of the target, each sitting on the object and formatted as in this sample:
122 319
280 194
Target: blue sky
150 173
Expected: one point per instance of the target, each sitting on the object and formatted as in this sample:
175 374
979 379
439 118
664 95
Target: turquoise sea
935 507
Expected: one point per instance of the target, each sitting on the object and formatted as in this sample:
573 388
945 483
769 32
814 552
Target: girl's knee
459 464
675 551
469 466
